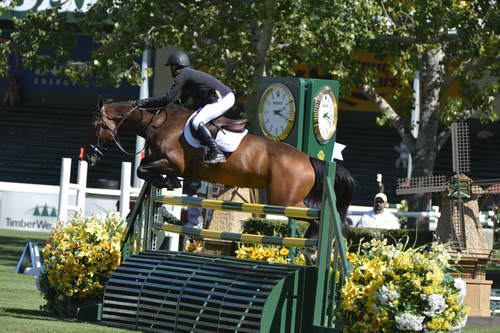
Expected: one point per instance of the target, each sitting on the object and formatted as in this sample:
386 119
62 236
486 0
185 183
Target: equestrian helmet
178 58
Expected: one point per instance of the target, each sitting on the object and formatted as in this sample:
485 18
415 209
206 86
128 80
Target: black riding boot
214 153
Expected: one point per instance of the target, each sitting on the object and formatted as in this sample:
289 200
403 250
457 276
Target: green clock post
302 113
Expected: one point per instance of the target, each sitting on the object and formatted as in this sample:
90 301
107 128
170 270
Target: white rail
65 186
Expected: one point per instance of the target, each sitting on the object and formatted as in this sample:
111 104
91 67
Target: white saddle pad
227 141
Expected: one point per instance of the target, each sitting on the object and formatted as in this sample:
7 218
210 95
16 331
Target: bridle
101 115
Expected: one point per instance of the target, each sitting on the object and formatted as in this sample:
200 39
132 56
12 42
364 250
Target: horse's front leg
153 171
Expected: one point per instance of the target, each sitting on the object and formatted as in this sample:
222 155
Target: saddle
223 123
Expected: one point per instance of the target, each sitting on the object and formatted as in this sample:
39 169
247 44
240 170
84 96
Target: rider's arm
174 91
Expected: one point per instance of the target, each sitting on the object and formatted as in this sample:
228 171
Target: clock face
325 114
277 111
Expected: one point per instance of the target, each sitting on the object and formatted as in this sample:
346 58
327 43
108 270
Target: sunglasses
379 200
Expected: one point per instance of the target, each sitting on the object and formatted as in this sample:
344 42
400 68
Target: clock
276 111
325 114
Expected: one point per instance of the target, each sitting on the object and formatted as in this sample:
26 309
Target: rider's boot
172 182
214 153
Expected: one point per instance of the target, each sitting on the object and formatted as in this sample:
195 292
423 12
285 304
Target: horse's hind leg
152 171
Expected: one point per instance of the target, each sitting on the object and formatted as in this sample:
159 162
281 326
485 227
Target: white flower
436 304
409 322
385 296
462 287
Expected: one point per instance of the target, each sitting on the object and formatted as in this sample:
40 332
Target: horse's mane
168 106
123 103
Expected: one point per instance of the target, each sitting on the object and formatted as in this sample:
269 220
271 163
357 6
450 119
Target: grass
20 301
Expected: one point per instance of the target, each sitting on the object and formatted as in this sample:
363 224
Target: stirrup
214 158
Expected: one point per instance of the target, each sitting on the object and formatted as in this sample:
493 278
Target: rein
114 133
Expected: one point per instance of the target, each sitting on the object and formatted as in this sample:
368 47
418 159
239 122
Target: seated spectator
378 217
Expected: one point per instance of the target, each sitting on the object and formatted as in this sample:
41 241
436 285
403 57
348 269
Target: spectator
194 217
378 217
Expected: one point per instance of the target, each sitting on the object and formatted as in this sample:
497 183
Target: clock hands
279 113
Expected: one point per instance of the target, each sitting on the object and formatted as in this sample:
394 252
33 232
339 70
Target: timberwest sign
31 207
21 7
28 211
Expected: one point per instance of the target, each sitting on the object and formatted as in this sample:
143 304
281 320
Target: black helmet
178 58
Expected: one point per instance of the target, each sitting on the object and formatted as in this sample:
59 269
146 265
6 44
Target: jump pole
244 238
289 211
65 186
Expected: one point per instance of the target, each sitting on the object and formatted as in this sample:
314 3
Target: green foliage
412 238
277 228
240 41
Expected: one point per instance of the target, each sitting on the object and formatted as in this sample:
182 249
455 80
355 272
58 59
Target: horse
289 176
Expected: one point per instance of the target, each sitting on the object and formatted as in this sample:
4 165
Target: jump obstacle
157 290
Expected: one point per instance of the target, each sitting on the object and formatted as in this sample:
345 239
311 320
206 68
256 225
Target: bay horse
290 177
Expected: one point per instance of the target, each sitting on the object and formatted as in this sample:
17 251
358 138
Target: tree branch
471 65
388 111
442 137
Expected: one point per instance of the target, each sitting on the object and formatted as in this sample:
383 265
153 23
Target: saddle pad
227 141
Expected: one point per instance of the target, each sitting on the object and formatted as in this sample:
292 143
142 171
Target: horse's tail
344 187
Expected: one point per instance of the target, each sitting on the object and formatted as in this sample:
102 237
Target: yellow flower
255 255
439 324
300 259
75 261
284 251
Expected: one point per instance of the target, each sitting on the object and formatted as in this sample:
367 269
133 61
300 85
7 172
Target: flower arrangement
392 290
268 253
78 259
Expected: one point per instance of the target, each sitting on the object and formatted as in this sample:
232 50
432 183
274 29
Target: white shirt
384 220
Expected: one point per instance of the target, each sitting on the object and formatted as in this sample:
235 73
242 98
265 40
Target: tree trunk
263 37
426 147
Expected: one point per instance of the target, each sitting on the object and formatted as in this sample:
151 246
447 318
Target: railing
124 193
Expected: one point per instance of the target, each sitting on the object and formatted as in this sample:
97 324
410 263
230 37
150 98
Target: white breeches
213 110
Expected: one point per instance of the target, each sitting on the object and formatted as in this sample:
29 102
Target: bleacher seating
33 141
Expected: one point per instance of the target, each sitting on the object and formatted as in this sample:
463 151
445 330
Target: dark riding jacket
198 85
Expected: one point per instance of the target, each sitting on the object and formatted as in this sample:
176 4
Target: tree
238 41
449 41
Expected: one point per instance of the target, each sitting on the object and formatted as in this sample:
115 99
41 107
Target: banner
38 211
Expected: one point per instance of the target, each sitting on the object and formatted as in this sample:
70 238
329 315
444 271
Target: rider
211 97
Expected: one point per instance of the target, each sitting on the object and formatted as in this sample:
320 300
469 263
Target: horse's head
101 132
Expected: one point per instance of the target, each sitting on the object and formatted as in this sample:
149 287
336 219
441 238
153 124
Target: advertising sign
32 80
20 9
31 211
